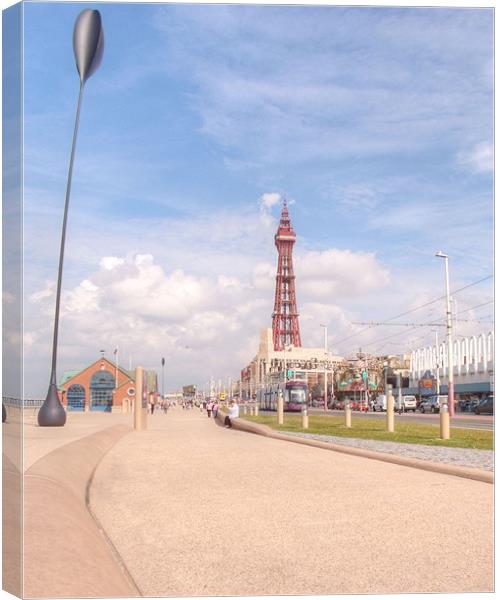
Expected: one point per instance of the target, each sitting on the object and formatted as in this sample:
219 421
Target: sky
376 124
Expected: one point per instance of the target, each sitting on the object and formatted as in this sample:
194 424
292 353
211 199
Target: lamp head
88 43
441 254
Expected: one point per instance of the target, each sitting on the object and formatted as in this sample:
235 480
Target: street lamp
88 46
163 378
437 362
451 385
326 355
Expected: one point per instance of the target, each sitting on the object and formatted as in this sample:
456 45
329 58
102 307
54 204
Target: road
465 420
195 509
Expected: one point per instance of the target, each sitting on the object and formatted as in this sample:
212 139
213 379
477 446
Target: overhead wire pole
419 307
449 336
325 371
415 326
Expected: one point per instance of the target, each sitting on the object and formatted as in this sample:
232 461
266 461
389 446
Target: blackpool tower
285 316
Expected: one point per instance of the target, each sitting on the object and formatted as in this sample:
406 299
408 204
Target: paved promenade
39 441
196 509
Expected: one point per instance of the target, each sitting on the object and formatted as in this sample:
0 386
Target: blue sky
375 123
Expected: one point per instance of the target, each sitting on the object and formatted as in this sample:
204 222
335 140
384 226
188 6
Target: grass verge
405 433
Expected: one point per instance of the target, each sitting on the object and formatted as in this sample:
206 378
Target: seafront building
269 363
473 366
102 386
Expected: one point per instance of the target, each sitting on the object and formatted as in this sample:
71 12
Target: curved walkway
196 509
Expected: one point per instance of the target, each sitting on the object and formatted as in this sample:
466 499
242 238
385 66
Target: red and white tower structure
285 316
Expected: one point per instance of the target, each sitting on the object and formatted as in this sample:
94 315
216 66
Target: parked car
338 405
485 407
425 405
471 404
432 404
408 403
357 405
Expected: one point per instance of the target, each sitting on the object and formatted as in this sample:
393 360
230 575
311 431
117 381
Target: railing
22 403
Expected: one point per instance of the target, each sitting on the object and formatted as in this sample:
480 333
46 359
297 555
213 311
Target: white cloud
339 274
110 262
203 311
263 276
270 199
480 159
266 203
46 292
134 303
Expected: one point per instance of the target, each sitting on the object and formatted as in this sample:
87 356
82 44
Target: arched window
76 397
102 385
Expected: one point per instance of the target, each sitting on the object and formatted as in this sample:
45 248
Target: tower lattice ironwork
285 316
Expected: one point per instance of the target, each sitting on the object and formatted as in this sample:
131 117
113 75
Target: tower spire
285 316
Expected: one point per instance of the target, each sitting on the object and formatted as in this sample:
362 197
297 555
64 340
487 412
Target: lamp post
163 378
326 354
451 384
88 46
437 364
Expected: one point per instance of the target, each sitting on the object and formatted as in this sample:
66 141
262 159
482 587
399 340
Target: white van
408 402
380 403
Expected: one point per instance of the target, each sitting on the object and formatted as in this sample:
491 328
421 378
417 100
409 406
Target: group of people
162 405
187 404
212 408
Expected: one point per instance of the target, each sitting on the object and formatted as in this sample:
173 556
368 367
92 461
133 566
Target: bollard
138 400
256 410
444 422
305 418
280 409
251 409
348 419
390 411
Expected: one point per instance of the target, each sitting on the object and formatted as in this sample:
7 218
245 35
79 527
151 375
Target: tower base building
268 364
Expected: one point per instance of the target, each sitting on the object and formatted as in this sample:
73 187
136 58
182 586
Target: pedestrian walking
152 405
215 409
209 409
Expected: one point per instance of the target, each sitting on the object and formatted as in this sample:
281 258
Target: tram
294 395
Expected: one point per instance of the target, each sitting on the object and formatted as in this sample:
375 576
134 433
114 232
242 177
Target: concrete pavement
39 441
196 509
66 554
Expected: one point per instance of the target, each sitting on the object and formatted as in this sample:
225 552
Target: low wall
66 554
445 469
